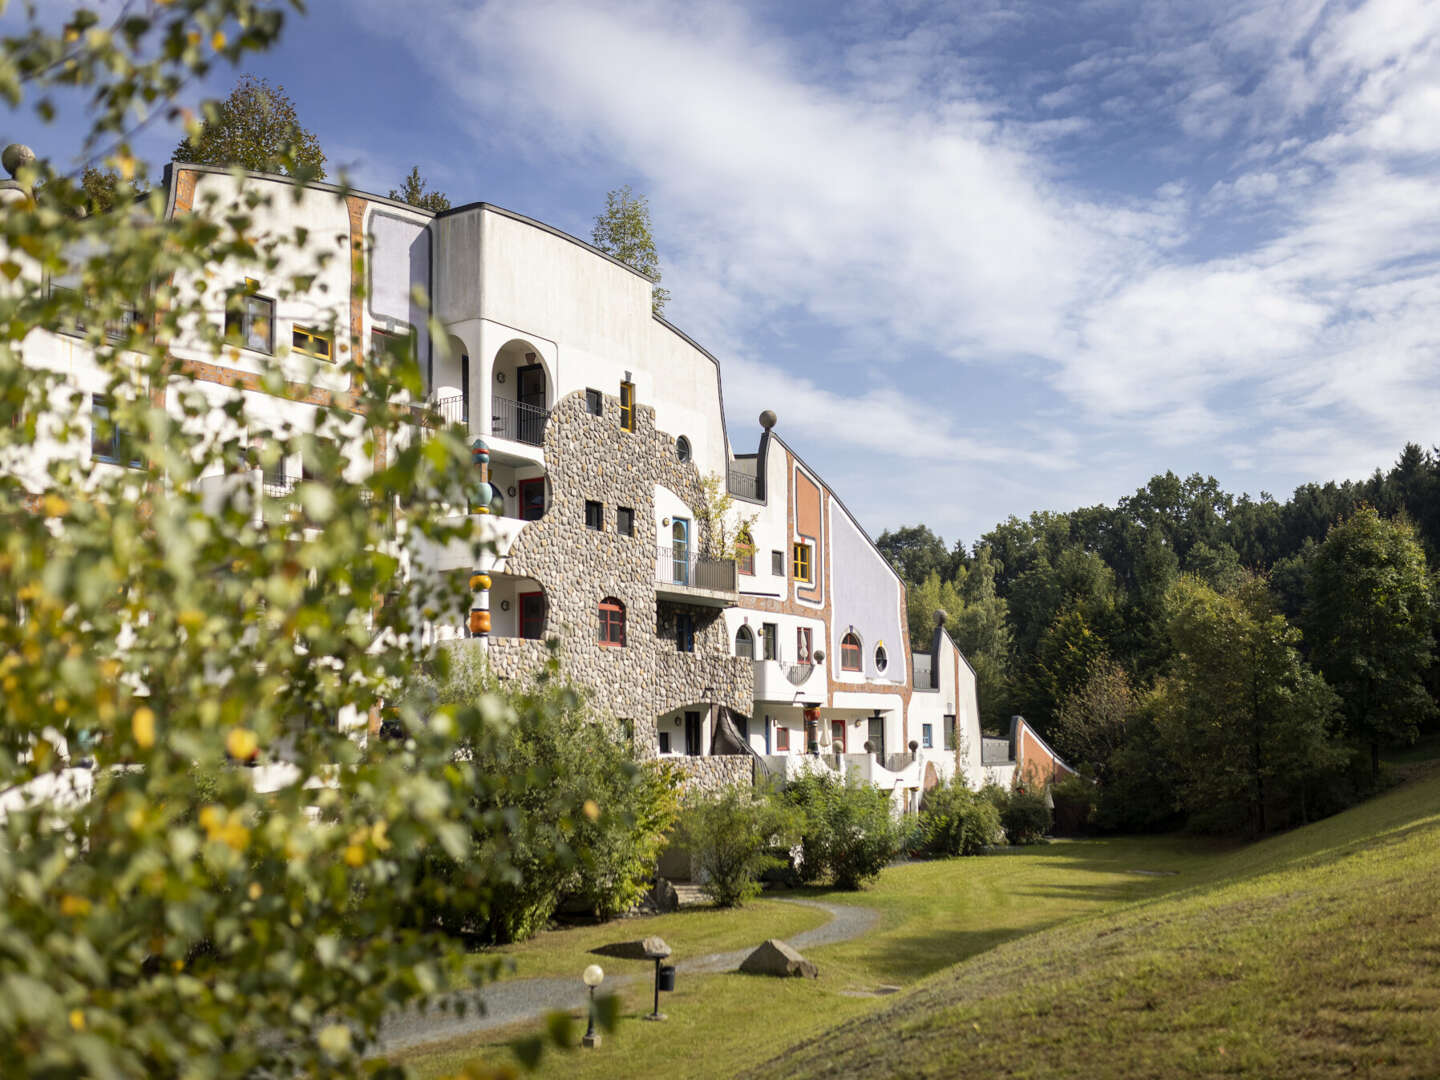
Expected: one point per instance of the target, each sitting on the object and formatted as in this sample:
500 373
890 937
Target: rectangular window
532 615
664 742
312 343
594 403
625 521
253 323
782 738
532 498
594 515
770 638
399 344
627 406
684 632
802 562
612 623
777 563
804 640
947 727
108 441
745 553
927 735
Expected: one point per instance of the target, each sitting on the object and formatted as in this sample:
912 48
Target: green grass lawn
1280 958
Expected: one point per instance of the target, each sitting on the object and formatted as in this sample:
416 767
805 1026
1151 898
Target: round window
682 448
880 658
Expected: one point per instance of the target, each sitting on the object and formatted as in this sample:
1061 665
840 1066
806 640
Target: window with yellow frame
627 406
801 563
312 343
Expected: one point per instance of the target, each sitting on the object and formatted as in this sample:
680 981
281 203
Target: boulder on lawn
650 948
777 958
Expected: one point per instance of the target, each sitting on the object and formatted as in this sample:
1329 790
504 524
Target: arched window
745 552
612 622
882 660
850 653
745 643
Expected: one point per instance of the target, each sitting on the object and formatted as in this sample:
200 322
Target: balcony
788 682
517 421
743 483
685 577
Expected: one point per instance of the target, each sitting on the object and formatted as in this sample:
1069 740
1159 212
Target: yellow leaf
71 906
10 268
77 1019
55 506
142 726
354 855
255 890
241 743
218 41
592 811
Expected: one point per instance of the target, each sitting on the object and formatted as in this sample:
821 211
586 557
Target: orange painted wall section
807 525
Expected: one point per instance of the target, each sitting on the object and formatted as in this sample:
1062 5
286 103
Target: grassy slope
932 915
1315 953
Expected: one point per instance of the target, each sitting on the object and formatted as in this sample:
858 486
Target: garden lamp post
592 977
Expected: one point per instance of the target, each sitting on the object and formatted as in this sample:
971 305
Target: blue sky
981 258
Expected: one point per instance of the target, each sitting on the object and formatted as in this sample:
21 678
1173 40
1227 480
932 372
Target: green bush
733 836
1026 818
847 832
1075 801
957 821
581 820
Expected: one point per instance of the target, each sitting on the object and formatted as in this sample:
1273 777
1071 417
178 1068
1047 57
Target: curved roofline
172 167
551 229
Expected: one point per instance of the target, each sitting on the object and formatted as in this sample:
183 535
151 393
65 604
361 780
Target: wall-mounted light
510 491
504 605
665 521
500 376
677 721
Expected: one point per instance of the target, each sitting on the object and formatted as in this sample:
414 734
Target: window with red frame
612 622
850 653
782 738
745 553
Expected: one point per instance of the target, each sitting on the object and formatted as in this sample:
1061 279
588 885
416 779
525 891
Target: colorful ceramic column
480 581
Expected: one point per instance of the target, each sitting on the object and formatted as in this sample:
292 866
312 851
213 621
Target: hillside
1314 953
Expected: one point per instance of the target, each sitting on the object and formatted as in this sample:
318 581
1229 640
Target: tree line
1229 662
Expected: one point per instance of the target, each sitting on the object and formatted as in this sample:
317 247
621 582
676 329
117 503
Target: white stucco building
602 422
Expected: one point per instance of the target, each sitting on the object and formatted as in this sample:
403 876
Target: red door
532 498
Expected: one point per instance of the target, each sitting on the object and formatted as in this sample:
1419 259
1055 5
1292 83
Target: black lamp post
592 977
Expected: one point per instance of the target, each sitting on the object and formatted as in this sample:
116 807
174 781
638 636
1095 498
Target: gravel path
509 1002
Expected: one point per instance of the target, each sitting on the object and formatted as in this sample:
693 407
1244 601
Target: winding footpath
514 1000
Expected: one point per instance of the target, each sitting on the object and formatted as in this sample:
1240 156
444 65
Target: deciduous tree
623 230
255 127
412 191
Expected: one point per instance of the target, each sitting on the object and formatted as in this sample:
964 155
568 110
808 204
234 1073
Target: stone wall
589 457
704 774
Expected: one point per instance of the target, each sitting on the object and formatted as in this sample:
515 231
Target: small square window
594 403
777 563
927 735
594 515
802 562
625 521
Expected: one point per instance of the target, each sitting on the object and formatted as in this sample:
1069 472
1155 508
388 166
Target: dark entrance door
532 498
692 734
877 737
530 393
532 615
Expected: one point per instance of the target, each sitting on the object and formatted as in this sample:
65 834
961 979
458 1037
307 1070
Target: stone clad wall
590 457
705 774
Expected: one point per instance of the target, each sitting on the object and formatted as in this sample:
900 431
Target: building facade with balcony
785 649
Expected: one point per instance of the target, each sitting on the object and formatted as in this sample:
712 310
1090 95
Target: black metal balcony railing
278 485
450 410
681 567
743 483
518 421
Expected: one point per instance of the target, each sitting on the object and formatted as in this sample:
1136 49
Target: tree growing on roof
623 230
412 191
255 127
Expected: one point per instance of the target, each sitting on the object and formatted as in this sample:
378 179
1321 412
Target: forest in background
1230 663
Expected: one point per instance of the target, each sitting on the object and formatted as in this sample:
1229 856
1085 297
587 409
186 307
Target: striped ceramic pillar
480 581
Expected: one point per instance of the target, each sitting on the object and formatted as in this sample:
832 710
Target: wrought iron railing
278 485
745 484
797 674
451 409
681 567
518 421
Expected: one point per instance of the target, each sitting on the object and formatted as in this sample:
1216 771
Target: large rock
777 958
650 948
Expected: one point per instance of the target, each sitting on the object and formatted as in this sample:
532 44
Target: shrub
847 832
1075 800
957 821
580 819
1026 818
733 836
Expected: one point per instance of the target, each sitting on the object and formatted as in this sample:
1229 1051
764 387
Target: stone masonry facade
590 457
